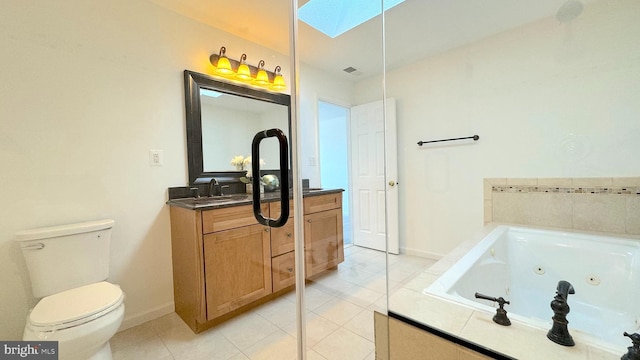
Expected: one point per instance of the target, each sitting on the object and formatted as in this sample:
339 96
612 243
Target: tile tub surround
592 204
518 340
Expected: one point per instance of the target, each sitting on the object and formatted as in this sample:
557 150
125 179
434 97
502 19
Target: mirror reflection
229 123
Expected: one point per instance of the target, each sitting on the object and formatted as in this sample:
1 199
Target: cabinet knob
289 234
309 221
266 229
290 269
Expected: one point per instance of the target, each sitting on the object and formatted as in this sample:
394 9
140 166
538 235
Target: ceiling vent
349 70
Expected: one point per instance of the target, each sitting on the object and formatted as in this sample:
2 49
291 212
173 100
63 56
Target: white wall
546 102
87 88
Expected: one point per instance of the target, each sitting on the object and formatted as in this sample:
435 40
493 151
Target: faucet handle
195 191
501 314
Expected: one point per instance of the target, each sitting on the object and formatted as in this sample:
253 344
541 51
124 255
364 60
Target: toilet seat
75 306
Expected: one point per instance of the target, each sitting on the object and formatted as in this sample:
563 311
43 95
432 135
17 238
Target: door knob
392 183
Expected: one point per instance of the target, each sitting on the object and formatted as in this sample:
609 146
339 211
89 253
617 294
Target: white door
370 136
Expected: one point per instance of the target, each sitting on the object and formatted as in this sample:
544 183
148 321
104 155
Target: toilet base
104 353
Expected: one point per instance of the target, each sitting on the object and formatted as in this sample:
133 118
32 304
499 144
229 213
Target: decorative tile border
609 205
567 190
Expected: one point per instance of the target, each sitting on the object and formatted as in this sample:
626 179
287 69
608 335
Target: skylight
335 17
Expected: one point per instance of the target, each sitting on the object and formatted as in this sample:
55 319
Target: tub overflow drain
593 280
538 270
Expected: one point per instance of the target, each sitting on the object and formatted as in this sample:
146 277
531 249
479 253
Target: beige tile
599 212
278 311
355 275
149 348
317 328
316 296
626 181
132 336
343 344
381 325
496 181
362 324
522 181
549 209
632 219
338 311
313 355
166 322
184 344
467 354
239 356
361 296
247 329
409 343
428 310
555 182
591 182
278 345
488 211
510 207
598 354
517 340
486 189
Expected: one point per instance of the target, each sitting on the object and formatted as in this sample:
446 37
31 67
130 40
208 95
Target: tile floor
339 319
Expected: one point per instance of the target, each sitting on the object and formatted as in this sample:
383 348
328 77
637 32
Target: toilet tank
67 256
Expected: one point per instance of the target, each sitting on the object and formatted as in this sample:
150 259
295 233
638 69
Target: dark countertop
216 202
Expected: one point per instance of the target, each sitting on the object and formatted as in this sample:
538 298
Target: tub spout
564 289
633 352
559 332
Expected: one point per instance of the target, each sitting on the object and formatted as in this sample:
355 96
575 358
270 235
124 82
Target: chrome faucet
559 332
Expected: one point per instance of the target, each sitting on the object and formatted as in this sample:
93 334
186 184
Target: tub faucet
559 332
501 314
633 352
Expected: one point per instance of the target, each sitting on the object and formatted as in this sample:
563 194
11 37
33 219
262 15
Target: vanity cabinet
323 233
224 262
282 246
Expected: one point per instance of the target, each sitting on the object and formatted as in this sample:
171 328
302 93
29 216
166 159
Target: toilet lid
75 304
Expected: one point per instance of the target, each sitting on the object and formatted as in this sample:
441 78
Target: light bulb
244 73
224 65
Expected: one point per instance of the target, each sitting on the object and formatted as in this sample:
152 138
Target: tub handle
38 246
501 314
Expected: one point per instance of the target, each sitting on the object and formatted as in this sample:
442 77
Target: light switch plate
156 158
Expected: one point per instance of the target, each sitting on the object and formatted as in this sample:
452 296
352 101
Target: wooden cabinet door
324 248
237 265
284 274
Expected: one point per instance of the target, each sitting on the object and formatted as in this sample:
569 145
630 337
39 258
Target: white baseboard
421 253
151 314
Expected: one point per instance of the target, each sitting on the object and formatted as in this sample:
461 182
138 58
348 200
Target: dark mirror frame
193 82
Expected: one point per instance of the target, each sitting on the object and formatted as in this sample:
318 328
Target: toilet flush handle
38 246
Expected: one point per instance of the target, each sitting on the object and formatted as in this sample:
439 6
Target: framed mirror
221 120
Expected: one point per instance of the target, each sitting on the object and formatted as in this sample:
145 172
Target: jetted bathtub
524 265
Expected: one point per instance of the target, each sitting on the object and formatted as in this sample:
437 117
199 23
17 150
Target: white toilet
67 266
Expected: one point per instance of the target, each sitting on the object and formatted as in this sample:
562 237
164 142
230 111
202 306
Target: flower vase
249 188
239 167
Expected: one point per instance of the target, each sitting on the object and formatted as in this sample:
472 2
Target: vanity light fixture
240 71
278 80
223 65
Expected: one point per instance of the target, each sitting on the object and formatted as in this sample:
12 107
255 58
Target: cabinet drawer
283 271
282 239
274 209
318 203
230 218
